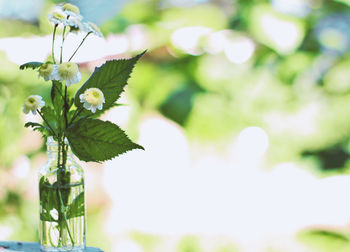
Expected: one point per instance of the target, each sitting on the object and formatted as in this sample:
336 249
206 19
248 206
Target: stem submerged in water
63 192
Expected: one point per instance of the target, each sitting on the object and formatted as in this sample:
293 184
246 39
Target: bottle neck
58 151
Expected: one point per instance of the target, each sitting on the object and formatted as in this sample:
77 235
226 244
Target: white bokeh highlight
172 189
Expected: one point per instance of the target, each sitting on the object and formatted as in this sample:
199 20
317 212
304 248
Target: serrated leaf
96 140
32 124
32 65
110 78
37 127
41 129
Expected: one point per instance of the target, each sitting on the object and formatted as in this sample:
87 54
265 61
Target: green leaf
96 140
49 115
32 65
347 2
98 113
110 78
48 199
37 126
32 124
77 207
57 98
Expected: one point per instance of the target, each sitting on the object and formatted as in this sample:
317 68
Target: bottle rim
52 142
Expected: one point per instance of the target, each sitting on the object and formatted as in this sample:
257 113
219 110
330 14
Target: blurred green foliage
295 85
325 241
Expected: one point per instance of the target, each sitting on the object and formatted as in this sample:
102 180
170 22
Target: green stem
63 38
53 132
65 106
79 46
59 155
63 179
63 175
59 91
65 218
53 44
60 174
77 112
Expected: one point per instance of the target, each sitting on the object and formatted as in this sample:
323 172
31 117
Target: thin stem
53 132
65 218
59 183
63 180
59 91
53 44
63 38
79 46
65 105
77 112
59 154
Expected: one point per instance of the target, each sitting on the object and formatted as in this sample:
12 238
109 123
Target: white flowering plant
75 118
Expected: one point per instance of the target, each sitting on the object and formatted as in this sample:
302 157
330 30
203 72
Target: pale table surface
30 247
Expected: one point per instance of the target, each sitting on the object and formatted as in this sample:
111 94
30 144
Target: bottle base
61 249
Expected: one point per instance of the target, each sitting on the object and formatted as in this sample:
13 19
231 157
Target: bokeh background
243 108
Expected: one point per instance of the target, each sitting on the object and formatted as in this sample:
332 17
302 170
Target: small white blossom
90 27
70 10
75 24
32 103
93 99
69 72
49 71
58 17
68 15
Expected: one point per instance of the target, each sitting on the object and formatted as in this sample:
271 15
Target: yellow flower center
71 7
68 70
57 16
94 96
45 70
31 102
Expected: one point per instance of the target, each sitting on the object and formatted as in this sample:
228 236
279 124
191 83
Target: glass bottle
62 200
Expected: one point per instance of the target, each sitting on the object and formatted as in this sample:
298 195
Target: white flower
90 27
70 10
58 17
49 71
68 15
69 72
74 24
93 99
32 103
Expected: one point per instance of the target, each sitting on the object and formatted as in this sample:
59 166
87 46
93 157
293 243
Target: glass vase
62 200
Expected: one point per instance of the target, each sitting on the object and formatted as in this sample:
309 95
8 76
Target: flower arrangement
71 122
